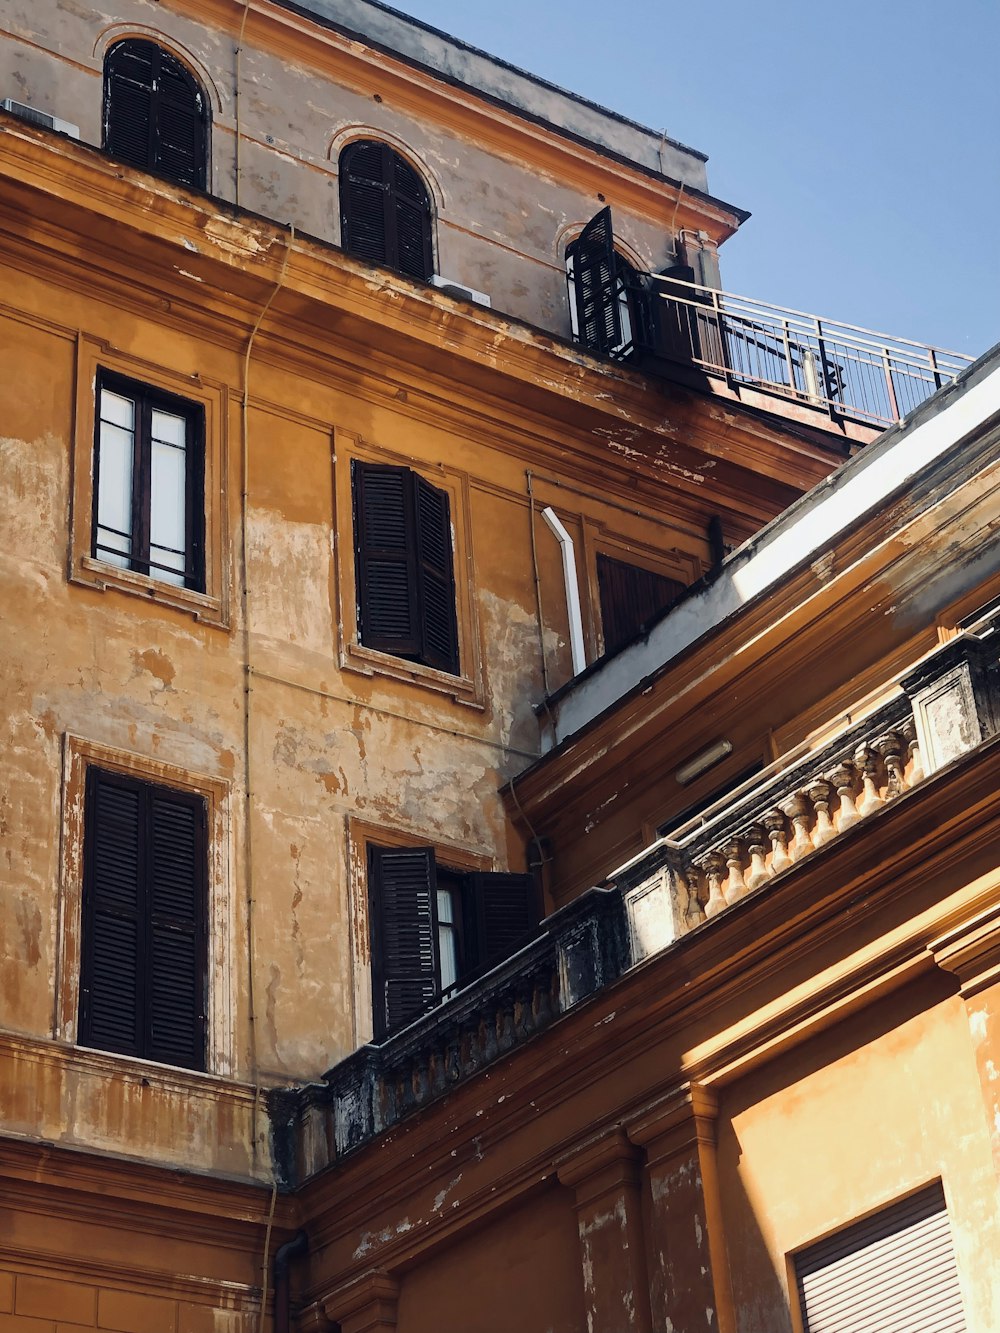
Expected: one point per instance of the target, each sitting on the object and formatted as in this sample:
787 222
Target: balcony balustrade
846 372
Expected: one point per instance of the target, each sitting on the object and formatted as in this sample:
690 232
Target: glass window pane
169 428
114 492
117 410
447 940
167 516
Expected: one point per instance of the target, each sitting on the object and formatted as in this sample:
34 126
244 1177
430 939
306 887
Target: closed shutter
893 1273
385 210
436 576
128 103
595 285
504 912
155 115
176 973
631 597
143 974
388 617
403 907
113 914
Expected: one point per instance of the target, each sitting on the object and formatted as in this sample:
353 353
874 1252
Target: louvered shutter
175 939
504 912
893 1273
630 598
128 103
403 906
411 222
364 200
180 124
435 572
595 285
388 614
113 914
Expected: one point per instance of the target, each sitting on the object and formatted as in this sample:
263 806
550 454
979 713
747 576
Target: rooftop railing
850 373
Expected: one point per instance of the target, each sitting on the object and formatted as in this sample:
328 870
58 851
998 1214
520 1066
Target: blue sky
864 136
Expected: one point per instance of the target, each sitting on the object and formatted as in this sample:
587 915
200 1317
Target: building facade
375 439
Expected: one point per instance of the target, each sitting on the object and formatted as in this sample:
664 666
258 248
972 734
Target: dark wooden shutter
388 616
412 221
143 973
175 939
155 115
595 285
501 914
631 597
385 209
403 909
128 103
435 572
893 1271
113 914
180 124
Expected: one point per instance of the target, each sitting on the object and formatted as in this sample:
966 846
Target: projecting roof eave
534 99
825 516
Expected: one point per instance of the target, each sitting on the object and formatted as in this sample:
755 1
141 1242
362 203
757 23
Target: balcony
843 371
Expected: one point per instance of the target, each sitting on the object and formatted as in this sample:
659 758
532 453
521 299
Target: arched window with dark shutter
608 302
385 209
155 114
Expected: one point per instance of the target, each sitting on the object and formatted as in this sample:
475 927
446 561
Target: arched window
608 303
155 114
385 209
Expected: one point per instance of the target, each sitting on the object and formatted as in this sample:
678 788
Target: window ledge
94 573
372 662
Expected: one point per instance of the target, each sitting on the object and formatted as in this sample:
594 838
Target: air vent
35 117
459 289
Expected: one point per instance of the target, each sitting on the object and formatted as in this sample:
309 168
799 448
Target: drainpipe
572 589
299 1244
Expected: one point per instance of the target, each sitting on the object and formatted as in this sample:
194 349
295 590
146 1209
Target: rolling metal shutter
893 1273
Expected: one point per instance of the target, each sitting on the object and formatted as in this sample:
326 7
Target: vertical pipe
572 589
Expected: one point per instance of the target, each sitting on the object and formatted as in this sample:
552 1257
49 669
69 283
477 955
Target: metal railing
845 370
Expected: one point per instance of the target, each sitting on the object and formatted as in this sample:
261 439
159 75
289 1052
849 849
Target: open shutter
504 912
128 103
113 914
386 559
175 977
435 569
403 905
180 124
630 598
893 1273
595 285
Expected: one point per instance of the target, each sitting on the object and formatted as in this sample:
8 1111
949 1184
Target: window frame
147 399
200 108
95 357
467 686
80 755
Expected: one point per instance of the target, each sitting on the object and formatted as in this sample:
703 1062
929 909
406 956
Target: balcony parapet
949 706
582 948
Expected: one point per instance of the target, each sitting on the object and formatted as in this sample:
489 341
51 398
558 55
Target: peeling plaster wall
331 740
501 224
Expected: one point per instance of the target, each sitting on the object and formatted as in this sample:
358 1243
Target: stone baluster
735 886
843 778
756 845
695 913
820 793
909 733
890 747
714 864
798 810
866 759
777 831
